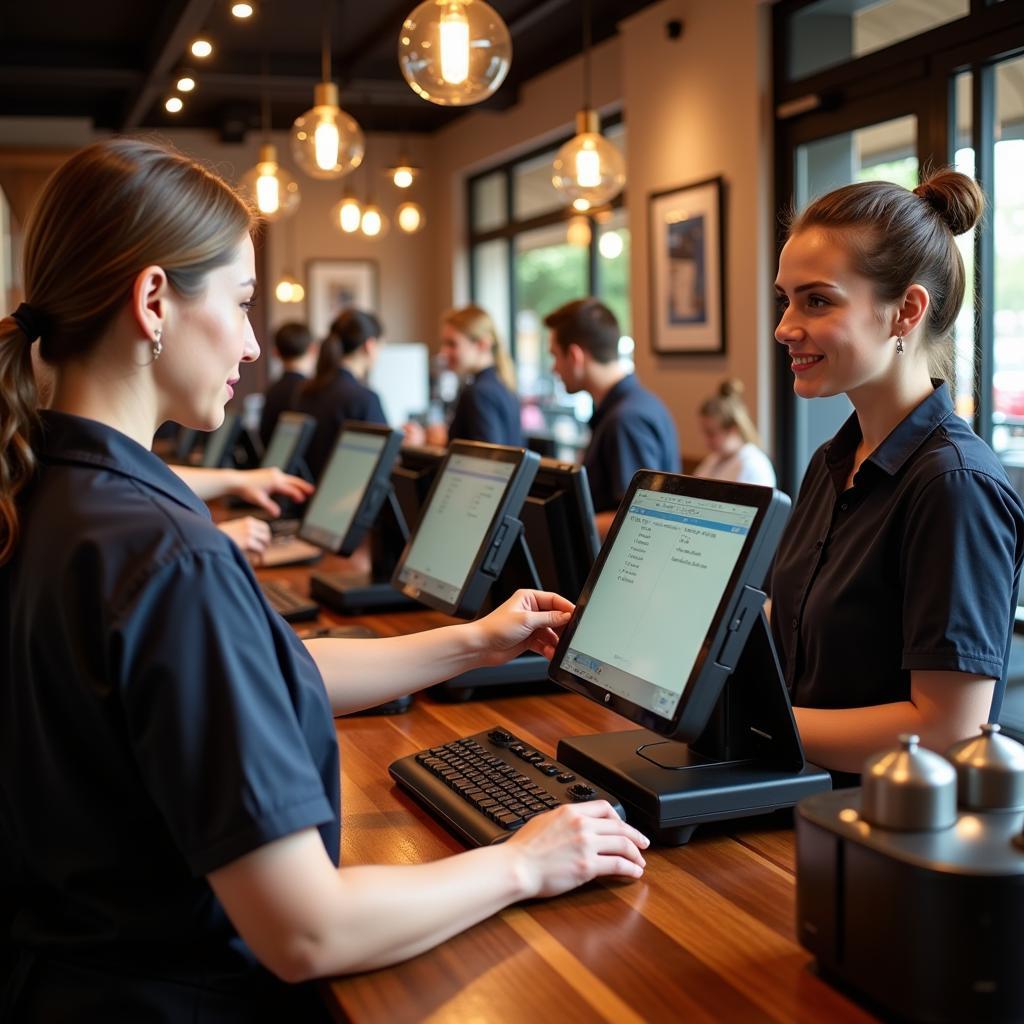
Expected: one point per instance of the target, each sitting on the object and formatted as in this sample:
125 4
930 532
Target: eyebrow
808 286
248 283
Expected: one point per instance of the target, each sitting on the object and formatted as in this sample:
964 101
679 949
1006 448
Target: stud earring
158 345
899 343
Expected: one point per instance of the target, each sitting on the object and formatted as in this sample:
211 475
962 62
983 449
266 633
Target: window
530 254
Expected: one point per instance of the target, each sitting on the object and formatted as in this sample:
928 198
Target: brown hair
476 324
728 410
588 323
897 238
109 211
292 340
349 332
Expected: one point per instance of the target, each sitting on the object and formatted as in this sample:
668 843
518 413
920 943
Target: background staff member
734 445
487 408
338 392
895 583
293 343
169 777
631 429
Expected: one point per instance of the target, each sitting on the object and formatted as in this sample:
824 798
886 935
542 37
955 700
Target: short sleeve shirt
631 429
913 567
486 411
158 720
345 398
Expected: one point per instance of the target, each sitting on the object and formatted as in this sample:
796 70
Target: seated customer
294 346
338 392
631 429
487 408
732 439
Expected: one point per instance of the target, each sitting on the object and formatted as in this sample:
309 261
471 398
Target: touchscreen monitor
670 597
289 442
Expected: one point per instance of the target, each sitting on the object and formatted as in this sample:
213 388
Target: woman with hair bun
894 586
734 445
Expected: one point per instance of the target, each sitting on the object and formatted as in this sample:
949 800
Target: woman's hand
257 485
413 433
251 535
566 847
530 620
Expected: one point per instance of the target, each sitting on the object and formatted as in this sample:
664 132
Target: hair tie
31 322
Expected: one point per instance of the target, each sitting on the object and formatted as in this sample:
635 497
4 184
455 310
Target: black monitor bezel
307 426
232 427
374 493
422 460
523 462
698 695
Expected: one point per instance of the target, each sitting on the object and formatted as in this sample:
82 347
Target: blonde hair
729 411
111 210
476 324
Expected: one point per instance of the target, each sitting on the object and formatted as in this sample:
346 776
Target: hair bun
731 387
955 197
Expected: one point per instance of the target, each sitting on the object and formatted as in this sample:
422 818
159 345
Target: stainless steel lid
909 789
990 771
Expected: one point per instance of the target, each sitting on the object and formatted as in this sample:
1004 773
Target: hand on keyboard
250 534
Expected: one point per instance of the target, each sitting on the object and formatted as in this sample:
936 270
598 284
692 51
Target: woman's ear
149 301
913 309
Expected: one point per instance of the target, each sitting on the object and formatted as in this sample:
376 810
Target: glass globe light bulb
374 224
327 142
610 245
274 190
403 176
289 290
410 217
347 215
454 52
588 169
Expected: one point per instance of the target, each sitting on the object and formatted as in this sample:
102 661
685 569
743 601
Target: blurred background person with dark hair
293 344
735 449
338 392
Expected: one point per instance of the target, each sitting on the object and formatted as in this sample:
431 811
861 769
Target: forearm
208 484
360 674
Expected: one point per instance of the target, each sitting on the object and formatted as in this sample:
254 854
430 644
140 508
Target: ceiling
116 61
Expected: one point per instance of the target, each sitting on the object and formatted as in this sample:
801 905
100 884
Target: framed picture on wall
687 269
335 285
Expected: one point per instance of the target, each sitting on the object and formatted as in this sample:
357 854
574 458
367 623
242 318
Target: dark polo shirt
158 720
344 398
278 399
913 567
631 429
486 411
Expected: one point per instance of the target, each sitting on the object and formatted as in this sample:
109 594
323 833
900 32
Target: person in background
894 585
293 343
735 451
630 429
338 392
487 408
170 803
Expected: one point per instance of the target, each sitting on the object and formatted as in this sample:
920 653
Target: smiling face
205 341
838 334
460 352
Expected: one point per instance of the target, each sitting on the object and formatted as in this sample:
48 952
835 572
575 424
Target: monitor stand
519 572
748 760
342 593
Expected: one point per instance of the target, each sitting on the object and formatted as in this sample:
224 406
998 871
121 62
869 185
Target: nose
787 331
251 351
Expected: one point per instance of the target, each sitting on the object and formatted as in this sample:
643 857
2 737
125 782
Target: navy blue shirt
158 720
631 429
344 398
913 567
279 398
486 411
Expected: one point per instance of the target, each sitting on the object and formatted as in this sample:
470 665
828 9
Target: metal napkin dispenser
910 889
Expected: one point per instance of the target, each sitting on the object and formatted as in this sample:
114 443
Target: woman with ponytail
894 586
487 408
169 774
734 445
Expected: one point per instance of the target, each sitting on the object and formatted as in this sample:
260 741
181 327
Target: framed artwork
688 269
335 285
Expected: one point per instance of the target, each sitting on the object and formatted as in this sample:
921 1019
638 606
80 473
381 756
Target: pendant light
288 288
347 214
404 173
272 188
327 142
579 231
454 52
588 170
373 224
410 217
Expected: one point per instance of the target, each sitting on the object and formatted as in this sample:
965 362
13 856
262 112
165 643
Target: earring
158 345
899 342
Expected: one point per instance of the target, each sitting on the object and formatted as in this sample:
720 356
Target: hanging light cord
265 98
586 54
325 61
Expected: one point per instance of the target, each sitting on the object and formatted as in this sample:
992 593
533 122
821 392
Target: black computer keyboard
484 787
288 602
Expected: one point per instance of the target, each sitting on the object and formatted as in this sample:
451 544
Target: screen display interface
643 628
282 444
454 525
341 488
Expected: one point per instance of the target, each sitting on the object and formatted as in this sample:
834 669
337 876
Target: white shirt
747 465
